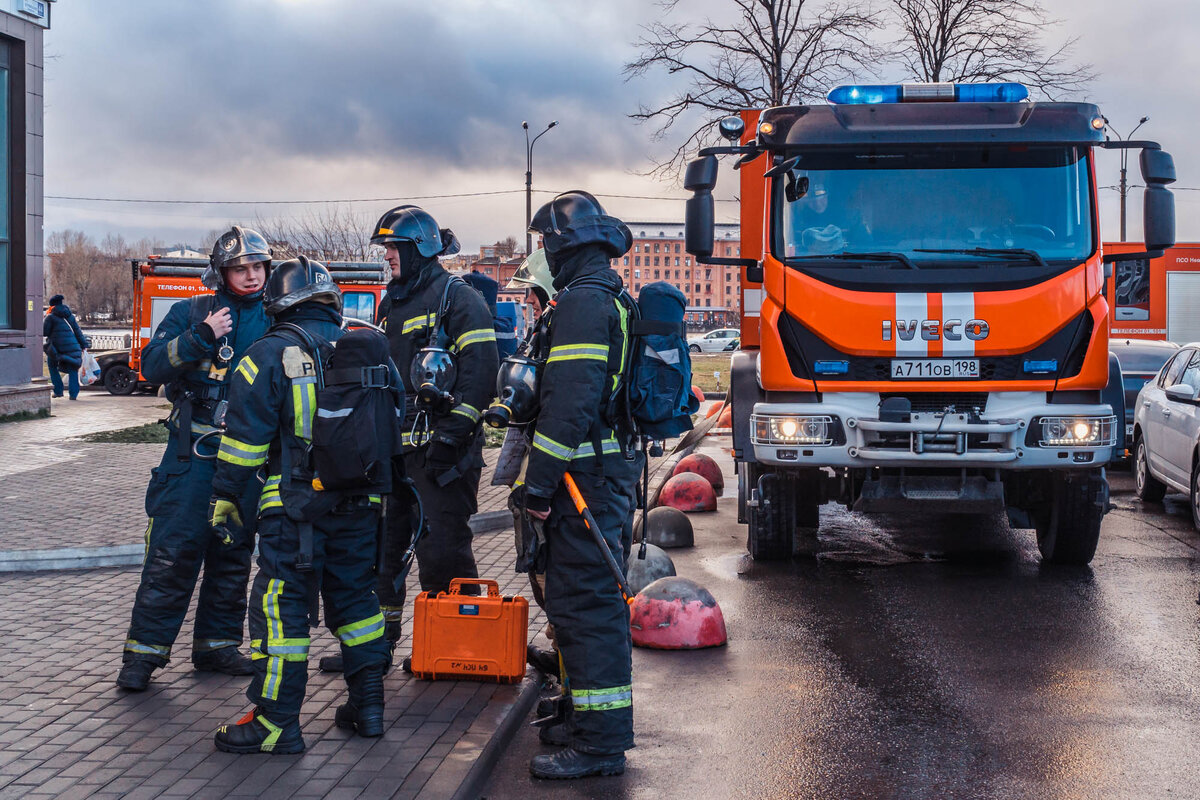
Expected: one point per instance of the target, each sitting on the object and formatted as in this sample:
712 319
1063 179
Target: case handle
456 584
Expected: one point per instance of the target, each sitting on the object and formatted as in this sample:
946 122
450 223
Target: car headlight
1079 431
792 430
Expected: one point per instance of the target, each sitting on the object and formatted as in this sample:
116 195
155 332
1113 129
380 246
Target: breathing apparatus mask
517 387
433 372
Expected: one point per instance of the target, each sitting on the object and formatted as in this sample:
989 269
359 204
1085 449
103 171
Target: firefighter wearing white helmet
534 277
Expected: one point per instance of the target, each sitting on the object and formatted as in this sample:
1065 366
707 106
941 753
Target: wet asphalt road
923 658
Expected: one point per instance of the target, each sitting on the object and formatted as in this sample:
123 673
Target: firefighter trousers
444 552
342 574
178 542
590 618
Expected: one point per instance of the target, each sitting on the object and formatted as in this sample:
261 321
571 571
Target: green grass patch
703 367
21 416
493 437
150 433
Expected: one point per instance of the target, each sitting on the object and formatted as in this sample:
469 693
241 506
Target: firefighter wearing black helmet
193 353
310 537
586 349
443 444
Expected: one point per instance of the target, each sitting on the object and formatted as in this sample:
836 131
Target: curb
131 555
511 717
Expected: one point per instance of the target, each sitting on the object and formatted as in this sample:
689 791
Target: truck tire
1148 488
1068 527
784 521
119 379
772 520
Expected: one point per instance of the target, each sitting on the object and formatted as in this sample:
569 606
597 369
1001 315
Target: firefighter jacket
184 355
407 313
585 353
272 403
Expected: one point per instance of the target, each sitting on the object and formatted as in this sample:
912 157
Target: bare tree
336 233
74 271
776 52
506 247
985 40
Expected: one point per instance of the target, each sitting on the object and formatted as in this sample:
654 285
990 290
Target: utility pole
529 182
1123 188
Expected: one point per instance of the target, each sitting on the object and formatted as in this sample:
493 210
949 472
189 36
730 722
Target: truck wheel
772 521
1146 486
1068 527
119 379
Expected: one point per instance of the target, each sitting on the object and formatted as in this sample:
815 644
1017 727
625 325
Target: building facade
22 25
713 292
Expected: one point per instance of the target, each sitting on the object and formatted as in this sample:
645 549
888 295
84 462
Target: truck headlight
1078 431
792 430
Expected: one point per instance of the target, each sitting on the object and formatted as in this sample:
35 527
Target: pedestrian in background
584 353
65 344
193 353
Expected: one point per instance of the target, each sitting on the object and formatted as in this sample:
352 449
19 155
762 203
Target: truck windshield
968 207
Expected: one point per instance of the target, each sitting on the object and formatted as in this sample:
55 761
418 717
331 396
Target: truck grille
940 401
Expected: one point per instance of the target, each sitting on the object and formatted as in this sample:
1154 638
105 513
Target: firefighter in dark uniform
443 442
194 352
310 540
587 349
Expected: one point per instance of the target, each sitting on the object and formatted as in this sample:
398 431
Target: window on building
687 261
637 248
708 288
637 261
637 273
656 246
656 274
708 301
677 250
708 274
697 287
676 271
626 264
656 260
677 261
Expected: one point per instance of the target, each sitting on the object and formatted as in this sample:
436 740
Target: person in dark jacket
309 538
65 344
489 289
194 353
443 443
585 350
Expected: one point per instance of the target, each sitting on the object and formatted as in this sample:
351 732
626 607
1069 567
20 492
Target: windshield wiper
880 256
1011 252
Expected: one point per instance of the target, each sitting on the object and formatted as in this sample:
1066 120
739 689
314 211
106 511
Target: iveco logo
953 330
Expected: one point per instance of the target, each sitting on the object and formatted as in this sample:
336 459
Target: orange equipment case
463 636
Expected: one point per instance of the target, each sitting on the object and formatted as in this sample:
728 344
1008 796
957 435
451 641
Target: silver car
1166 431
714 341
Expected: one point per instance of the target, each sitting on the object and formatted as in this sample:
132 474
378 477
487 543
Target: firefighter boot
570 763
544 661
363 710
254 733
227 660
135 674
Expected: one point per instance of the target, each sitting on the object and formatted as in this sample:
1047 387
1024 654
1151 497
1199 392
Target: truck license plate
932 369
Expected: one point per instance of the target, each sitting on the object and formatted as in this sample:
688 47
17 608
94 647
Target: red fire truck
160 282
924 316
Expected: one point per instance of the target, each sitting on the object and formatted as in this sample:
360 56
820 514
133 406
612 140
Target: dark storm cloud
445 83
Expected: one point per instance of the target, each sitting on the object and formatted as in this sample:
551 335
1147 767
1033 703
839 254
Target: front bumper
1004 435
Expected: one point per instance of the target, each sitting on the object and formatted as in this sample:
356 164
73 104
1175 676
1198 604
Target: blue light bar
873 94
1041 367
831 367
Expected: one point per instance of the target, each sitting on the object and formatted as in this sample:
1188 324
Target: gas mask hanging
517 386
433 373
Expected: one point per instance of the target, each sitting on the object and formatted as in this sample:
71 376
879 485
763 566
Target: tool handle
594 528
456 584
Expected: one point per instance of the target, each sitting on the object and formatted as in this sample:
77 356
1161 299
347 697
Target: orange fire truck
924 320
160 282
1156 298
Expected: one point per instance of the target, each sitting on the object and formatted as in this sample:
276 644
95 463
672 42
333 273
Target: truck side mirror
700 216
1158 204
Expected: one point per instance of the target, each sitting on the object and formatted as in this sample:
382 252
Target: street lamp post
1123 189
529 181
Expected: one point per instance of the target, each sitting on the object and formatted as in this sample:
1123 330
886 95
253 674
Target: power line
349 200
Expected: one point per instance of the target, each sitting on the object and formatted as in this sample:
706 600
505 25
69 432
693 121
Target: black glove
441 457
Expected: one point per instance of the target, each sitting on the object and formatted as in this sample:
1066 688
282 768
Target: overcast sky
329 99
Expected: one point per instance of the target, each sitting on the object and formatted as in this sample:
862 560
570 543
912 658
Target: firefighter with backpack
441 338
585 351
319 413
193 353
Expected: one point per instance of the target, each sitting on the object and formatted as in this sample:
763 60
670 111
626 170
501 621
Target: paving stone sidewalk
66 730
